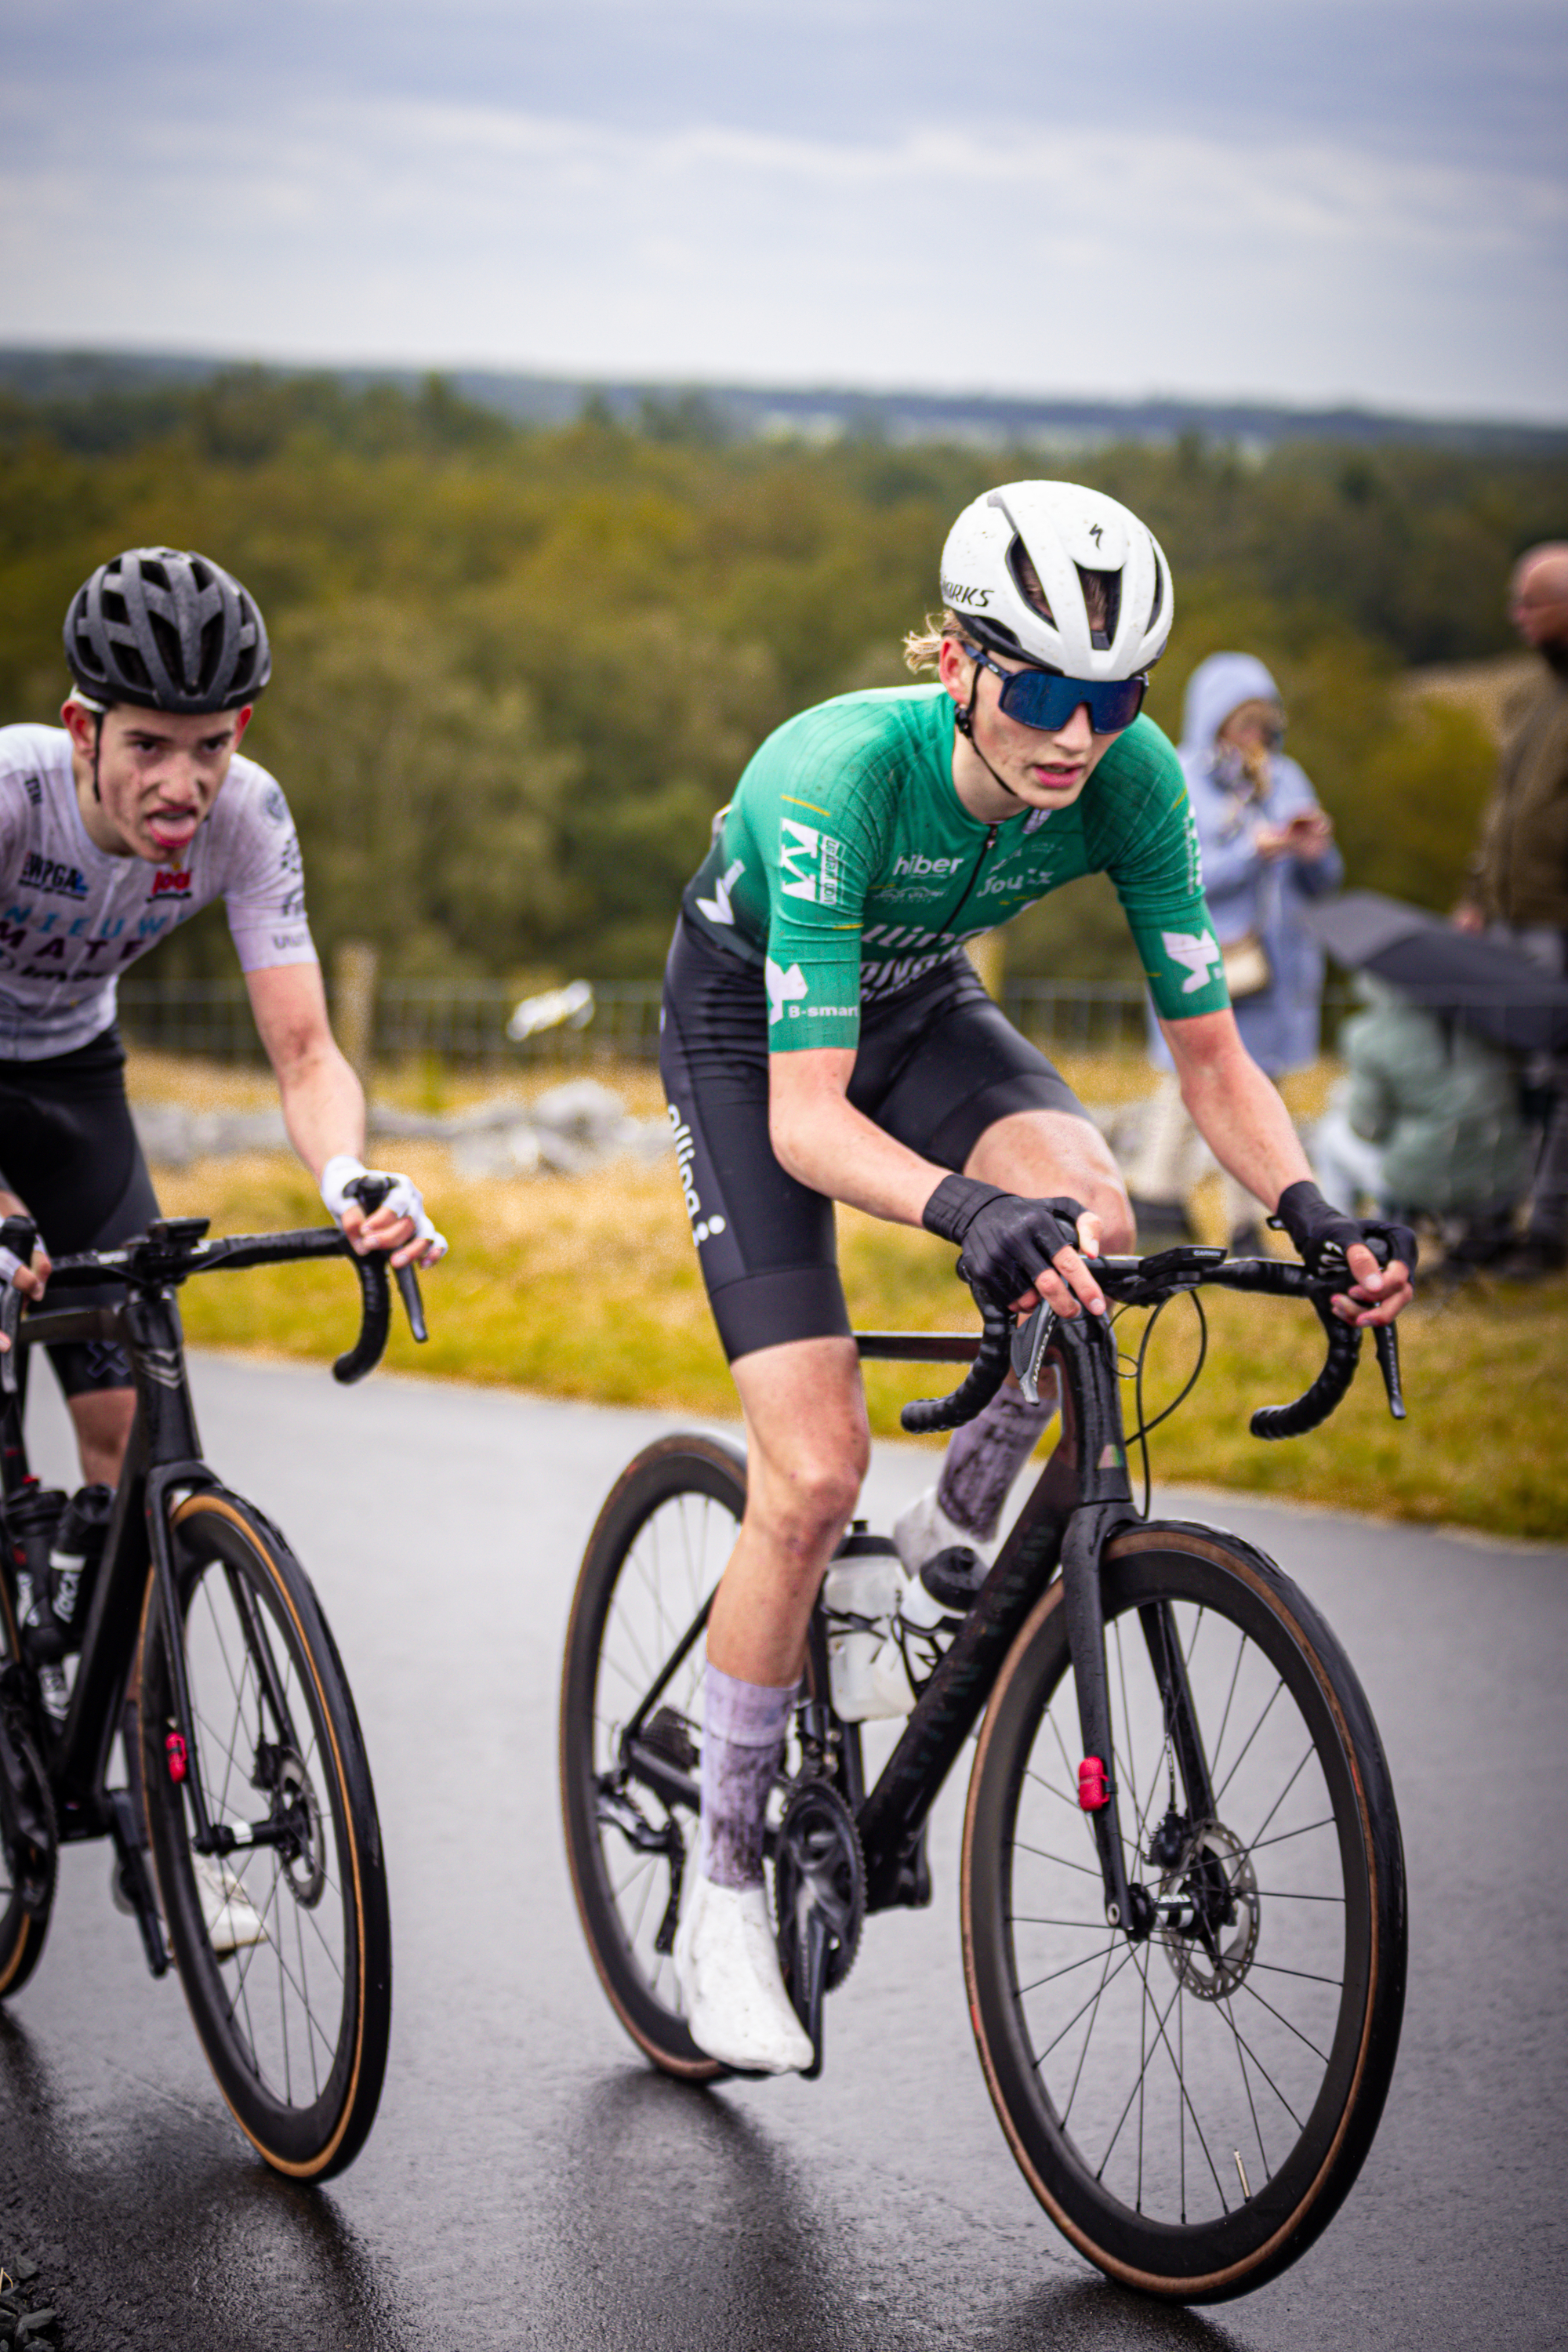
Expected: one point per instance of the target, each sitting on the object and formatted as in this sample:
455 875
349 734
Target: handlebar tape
375 1300
1328 1390
979 1385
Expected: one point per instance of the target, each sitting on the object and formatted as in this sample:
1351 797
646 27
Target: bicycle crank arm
1126 1907
134 1879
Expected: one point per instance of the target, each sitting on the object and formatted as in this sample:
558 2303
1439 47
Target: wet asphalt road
531 2183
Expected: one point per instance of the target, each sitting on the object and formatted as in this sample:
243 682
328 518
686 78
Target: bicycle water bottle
885 1631
74 1558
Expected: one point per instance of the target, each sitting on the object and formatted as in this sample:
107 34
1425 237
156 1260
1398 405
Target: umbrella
1487 987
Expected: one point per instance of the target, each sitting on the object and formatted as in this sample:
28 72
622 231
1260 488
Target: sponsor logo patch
718 908
783 988
53 877
171 882
1196 951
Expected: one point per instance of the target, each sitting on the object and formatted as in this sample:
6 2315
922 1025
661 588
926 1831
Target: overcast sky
1351 198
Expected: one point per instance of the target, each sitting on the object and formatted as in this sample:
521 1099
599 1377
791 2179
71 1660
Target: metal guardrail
464 1022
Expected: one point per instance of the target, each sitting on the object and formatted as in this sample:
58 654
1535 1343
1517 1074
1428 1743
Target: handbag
1246 965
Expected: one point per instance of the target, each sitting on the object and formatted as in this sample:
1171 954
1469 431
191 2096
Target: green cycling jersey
846 865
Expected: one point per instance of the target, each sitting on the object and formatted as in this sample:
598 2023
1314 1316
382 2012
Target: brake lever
1027 1347
414 1305
1386 1341
370 1191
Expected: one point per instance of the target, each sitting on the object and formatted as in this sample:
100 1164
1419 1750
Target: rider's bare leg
102 1417
1044 1154
808 1446
807 1452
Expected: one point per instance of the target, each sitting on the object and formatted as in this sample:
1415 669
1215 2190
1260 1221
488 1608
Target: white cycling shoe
922 1530
232 1919
731 1993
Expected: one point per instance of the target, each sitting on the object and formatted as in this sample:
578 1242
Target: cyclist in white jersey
114 828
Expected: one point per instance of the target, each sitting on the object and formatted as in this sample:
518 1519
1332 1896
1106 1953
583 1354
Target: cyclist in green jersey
826 1038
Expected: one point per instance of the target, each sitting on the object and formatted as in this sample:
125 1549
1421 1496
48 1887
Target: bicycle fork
1106 1504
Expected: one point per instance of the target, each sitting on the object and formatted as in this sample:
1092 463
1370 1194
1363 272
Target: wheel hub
1209 1912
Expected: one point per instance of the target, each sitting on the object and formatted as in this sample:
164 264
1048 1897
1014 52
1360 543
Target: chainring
820 1870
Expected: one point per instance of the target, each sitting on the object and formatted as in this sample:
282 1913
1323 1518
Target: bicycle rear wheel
660 1546
1191 2109
284 1946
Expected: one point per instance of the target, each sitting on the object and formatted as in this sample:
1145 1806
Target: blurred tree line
516 670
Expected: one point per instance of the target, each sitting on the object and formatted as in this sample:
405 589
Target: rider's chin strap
98 719
964 719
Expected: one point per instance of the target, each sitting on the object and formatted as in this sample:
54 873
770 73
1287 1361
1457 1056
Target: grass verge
588 1288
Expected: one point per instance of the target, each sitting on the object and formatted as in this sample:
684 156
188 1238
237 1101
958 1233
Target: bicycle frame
1083 1494
162 1459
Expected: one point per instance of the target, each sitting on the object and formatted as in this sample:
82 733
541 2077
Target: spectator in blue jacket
1267 847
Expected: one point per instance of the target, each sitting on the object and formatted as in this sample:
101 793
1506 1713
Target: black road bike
1181 1884
246 1838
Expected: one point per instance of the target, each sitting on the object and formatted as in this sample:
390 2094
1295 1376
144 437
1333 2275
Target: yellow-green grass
588 1288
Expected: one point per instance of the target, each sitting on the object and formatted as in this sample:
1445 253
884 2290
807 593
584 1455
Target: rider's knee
1107 1200
806 1502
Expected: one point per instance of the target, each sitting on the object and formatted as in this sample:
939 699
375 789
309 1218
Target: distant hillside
820 413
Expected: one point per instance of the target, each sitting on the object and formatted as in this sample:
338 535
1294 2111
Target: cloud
1081 248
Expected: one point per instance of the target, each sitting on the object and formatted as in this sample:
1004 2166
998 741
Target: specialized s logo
718 908
1197 951
783 988
801 846
170 883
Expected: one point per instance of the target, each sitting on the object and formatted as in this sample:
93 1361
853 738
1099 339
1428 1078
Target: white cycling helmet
1065 531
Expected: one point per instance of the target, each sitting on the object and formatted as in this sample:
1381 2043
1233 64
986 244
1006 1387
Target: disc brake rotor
1210 1939
305 1870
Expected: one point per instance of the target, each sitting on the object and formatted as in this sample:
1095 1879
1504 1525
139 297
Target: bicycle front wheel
661 1544
1191 2109
284 1945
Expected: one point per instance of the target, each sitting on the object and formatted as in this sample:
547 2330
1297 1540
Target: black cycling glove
1007 1241
1319 1231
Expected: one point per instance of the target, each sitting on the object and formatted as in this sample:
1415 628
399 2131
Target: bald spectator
1519 880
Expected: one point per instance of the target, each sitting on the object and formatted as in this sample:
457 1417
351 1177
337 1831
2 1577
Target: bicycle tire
659 1546
295 2024
1040 1959
25 1908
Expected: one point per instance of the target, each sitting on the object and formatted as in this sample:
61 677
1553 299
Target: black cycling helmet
167 630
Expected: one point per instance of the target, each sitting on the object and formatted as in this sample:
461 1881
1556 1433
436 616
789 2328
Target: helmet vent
1102 602
1028 581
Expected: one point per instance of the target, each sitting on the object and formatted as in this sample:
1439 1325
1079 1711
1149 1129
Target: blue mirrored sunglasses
1040 698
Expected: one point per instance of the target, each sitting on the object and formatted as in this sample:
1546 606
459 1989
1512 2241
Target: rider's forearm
823 1140
1238 1113
324 1107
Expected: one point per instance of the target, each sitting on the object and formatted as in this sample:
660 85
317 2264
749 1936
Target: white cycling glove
404 1199
10 1266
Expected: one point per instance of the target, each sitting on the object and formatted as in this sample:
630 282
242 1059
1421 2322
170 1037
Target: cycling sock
743 1727
986 1455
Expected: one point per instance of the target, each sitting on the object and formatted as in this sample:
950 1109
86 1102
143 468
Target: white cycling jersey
72 918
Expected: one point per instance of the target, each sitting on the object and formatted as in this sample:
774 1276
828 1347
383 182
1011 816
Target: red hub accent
174 1748
1093 1789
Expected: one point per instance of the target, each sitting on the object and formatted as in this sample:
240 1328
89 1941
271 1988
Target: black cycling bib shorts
68 1149
937 1064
